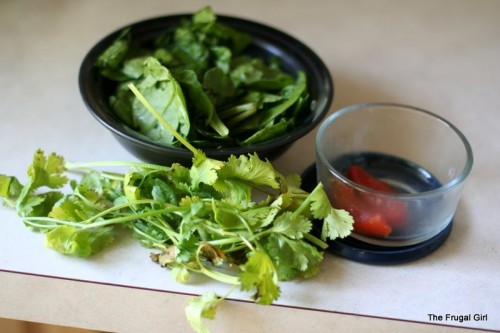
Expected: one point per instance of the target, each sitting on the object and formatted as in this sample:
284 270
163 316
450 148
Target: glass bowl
399 170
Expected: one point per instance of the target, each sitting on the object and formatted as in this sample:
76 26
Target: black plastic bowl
267 41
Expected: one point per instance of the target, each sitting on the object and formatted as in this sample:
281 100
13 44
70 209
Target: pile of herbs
202 79
202 219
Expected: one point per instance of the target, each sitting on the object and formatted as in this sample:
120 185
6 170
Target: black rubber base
356 250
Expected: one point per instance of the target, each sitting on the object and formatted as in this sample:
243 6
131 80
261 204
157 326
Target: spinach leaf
201 102
200 80
165 94
291 94
113 56
253 72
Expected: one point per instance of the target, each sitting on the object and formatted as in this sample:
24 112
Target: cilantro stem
316 241
311 238
128 218
234 239
250 231
166 228
225 241
116 220
218 276
118 207
221 277
161 120
247 243
158 245
8 202
86 201
41 226
305 204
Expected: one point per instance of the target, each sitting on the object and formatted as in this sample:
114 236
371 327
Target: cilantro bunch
239 222
217 91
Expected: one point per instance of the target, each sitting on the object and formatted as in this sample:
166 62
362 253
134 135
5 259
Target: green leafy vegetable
200 77
164 93
110 60
259 273
79 241
203 219
202 307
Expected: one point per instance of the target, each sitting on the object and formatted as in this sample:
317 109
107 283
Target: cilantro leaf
240 174
148 234
202 216
79 242
10 187
46 171
204 170
320 205
259 217
100 184
294 182
72 208
339 223
259 273
180 274
293 257
186 248
292 226
204 306
226 215
163 192
41 204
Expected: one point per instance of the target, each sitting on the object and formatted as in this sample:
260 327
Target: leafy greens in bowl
230 86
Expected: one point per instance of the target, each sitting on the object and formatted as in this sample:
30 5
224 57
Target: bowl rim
272 34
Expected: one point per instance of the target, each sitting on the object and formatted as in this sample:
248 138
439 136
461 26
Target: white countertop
440 55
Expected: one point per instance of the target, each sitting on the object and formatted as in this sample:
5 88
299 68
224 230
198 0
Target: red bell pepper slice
359 175
373 215
374 225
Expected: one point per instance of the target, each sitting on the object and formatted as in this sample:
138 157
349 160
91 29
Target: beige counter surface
439 55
